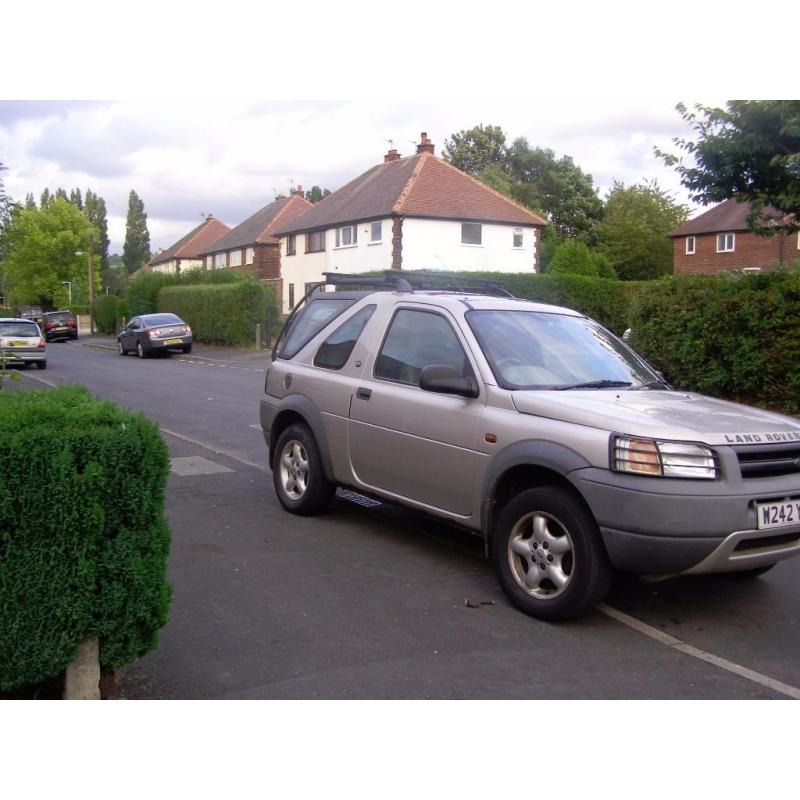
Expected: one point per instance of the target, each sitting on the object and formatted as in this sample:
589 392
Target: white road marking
689 650
216 450
195 465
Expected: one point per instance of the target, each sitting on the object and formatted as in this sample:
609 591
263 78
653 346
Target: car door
416 444
128 334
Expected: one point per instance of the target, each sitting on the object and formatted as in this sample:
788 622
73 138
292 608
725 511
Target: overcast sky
230 158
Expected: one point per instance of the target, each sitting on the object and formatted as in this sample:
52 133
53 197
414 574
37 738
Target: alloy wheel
294 469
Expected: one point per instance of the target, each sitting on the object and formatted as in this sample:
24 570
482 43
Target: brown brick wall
750 251
397 242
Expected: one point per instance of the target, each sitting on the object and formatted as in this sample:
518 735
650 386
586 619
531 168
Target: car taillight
41 344
48 325
187 329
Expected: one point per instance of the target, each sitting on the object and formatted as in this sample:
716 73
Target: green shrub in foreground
83 537
224 314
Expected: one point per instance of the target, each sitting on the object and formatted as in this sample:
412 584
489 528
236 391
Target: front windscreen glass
537 350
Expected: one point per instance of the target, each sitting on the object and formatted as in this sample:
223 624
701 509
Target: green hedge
83 537
143 291
224 314
607 301
732 337
105 313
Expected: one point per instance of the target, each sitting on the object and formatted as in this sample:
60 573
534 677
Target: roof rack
422 280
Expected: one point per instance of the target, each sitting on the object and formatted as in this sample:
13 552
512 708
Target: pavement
215 352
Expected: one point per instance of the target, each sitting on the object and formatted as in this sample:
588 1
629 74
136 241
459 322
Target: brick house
720 240
251 247
186 252
418 212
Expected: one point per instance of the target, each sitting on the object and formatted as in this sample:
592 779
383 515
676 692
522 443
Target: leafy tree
45 199
75 198
62 195
315 194
136 251
474 150
633 233
43 247
30 201
750 151
553 187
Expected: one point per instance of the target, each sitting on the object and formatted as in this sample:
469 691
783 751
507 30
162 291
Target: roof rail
421 280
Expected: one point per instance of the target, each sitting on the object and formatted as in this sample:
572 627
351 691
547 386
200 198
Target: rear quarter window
334 352
310 321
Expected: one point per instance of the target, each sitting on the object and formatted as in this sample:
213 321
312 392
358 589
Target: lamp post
91 280
68 284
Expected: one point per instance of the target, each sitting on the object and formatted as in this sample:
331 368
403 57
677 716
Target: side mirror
445 379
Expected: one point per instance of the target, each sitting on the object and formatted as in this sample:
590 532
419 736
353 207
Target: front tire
187 348
548 554
140 351
122 350
297 473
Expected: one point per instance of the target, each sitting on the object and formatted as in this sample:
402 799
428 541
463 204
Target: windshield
537 350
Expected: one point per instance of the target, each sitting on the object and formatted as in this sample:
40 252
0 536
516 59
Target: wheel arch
523 466
299 409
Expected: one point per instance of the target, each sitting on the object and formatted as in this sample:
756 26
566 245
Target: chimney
425 145
297 191
392 155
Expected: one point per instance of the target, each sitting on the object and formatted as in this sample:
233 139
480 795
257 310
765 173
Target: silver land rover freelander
530 425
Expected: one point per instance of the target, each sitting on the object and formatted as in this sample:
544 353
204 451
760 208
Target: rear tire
41 365
549 556
297 473
140 351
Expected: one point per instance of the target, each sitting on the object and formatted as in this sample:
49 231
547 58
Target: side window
310 321
336 349
417 339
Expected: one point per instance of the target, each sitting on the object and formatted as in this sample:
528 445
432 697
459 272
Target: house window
235 258
291 295
726 242
291 245
690 245
471 232
376 232
219 260
798 240
315 242
347 236
249 255
517 237
209 261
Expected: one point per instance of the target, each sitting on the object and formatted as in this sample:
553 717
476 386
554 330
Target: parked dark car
60 325
31 312
154 333
21 343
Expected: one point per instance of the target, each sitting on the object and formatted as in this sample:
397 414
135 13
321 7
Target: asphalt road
380 602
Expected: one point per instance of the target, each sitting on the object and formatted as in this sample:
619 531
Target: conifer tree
136 251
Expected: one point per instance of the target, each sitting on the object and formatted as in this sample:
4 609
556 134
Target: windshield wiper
649 384
603 384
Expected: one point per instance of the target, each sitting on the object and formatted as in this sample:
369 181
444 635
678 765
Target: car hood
661 414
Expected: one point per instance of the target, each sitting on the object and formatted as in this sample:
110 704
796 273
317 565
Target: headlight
666 459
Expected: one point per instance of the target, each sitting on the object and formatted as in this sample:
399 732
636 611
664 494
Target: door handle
364 394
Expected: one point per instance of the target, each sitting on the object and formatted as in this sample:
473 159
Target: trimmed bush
143 291
83 537
573 258
733 337
105 313
225 314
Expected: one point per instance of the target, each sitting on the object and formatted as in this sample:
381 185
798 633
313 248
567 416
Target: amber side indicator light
491 438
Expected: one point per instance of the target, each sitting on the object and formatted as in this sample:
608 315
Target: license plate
173 341
16 343
776 515
62 329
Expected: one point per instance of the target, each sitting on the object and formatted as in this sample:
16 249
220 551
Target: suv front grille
769 461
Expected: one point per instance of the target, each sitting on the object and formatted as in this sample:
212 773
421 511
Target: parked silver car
22 343
533 426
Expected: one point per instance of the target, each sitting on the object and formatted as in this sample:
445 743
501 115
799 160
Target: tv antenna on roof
391 143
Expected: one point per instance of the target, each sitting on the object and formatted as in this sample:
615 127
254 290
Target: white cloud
227 158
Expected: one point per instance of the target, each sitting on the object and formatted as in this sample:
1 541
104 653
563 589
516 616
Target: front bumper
669 526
